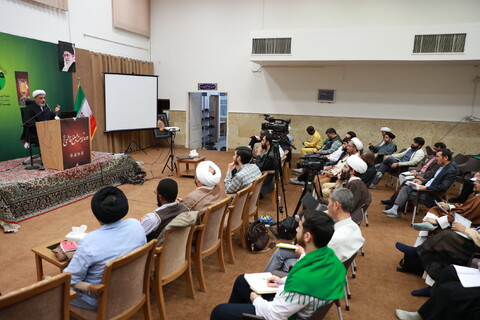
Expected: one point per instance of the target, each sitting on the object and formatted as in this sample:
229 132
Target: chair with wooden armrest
173 259
254 197
124 289
237 212
45 300
209 238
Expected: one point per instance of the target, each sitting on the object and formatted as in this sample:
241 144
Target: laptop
68 114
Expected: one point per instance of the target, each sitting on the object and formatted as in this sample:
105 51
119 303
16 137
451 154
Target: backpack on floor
258 237
287 229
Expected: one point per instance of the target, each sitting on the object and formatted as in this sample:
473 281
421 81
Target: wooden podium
65 143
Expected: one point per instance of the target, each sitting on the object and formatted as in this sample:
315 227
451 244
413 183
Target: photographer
265 161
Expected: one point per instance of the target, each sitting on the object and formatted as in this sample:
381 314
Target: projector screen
130 102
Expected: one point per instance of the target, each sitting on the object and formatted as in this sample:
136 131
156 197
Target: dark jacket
266 162
444 179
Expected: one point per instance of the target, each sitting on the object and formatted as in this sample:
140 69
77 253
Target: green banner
25 66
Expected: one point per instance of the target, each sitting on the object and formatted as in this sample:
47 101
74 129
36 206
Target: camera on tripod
312 163
276 125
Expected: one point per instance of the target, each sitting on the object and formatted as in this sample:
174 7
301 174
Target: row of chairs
126 282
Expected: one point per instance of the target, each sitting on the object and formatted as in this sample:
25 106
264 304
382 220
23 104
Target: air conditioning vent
439 43
272 46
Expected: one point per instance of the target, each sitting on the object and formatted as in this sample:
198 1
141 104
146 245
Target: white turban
385 129
205 176
357 164
357 143
37 92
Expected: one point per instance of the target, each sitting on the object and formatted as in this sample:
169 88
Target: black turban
391 135
109 205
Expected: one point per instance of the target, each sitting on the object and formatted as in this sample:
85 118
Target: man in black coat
265 161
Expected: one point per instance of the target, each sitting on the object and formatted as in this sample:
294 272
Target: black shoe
386 201
388 207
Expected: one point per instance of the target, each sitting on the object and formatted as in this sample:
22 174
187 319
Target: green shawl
319 274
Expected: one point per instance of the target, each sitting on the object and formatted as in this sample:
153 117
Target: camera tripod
278 179
171 157
310 187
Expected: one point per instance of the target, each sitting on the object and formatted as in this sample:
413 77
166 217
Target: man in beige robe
209 189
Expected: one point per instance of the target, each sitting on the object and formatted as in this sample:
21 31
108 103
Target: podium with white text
65 143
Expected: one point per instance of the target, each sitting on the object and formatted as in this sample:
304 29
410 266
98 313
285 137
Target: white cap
37 92
357 143
385 129
357 164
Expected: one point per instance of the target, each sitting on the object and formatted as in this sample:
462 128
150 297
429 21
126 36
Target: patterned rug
27 193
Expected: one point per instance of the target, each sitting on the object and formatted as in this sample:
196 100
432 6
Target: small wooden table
188 162
43 252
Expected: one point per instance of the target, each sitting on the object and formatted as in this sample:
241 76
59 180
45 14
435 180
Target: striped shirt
243 178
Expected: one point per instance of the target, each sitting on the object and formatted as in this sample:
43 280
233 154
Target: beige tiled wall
460 138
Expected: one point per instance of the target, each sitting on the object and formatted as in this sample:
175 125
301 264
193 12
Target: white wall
88 24
209 41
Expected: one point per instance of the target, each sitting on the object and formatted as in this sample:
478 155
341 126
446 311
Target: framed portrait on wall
66 57
162 122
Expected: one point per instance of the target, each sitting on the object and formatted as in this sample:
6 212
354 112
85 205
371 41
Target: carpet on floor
28 193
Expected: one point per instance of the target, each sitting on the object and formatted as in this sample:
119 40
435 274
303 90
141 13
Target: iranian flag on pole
83 110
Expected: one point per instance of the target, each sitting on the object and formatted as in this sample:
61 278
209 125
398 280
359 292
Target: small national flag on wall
83 110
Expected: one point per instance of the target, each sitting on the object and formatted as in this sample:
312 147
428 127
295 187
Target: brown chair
460 158
173 259
209 238
255 195
237 212
125 287
317 315
44 300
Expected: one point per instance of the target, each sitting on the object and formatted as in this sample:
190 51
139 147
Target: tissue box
77 233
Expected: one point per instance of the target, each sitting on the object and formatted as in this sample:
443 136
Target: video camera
276 125
312 162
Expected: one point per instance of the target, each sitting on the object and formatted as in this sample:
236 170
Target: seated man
437 217
113 239
350 134
346 240
383 131
329 172
430 166
266 161
246 172
153 223
317 278
209 191
387 148
313 143
449 300
339 153
467 189
331 144
369 175
399 162
353 169
438 181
